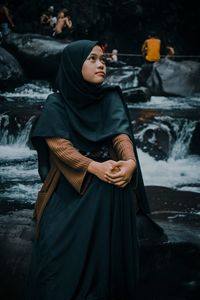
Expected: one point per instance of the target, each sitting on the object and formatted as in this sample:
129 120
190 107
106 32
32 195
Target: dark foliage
123 24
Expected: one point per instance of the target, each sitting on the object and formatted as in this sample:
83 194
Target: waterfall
183 130
12 132
136 71
164 129
170 138
173 136
18 164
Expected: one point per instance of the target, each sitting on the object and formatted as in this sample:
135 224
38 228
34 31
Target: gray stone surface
169 270
11 72
170 77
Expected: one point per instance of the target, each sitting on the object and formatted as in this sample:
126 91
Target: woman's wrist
132 163
92 167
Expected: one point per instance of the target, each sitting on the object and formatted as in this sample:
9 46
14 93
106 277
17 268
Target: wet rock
11 73
169 77
39 55
15 118
170 272
152 135
195 141
157 134
127 78
122 76
167 268
155 141
137 94
16 233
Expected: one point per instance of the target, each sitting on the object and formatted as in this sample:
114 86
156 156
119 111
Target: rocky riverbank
169 270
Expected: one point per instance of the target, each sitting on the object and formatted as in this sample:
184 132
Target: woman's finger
121 183
112 175
114 179
117 180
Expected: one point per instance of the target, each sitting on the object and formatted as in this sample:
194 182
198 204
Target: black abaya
88 245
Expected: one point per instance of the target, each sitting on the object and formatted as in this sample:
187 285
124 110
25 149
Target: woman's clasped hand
118 173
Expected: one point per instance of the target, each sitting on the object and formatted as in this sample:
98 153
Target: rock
126 77
169 77
157 135
167 268
137 94
123 76
195 141
16 234
15 117
11 73
39 55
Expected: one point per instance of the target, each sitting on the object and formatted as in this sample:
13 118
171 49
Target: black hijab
76 92
86 114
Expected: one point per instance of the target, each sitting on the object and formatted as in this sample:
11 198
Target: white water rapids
18 164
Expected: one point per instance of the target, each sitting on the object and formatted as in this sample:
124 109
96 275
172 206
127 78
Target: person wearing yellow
151 49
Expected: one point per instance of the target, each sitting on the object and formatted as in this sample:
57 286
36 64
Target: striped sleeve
123 146
68 154
71 162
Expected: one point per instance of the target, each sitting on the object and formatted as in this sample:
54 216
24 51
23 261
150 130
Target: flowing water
164 131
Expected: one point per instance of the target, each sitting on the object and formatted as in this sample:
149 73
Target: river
164 131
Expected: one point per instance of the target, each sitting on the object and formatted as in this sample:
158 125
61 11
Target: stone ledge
169 270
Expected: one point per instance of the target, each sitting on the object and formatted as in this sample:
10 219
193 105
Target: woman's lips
100 73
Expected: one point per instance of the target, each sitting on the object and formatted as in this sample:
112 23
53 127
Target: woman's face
94 67
61 15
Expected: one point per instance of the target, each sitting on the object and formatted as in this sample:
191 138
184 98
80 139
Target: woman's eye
92 58
103 59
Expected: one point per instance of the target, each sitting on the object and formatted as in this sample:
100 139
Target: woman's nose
100 64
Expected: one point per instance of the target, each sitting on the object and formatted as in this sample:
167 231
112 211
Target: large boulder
11 72
127 78
124 76
169 77
39 55
136 94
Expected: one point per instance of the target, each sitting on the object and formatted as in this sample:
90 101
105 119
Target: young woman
86 244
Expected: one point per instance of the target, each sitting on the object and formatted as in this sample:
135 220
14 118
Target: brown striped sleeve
68 154
123 146
71 162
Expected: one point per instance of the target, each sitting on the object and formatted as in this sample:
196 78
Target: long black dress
88 244
87 247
